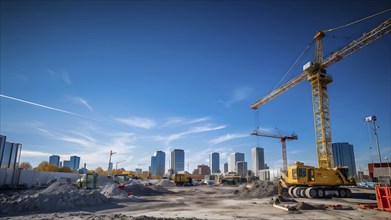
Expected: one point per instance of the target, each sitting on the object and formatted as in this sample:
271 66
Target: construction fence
14 178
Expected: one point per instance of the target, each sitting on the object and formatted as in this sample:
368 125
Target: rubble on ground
306 206
137 189
111 191
259 189
57 197
165 183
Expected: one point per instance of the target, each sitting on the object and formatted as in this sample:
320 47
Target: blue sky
142 76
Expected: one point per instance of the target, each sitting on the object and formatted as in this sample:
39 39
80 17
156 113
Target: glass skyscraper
54 159
75 162
258 160
235 157
178 160
153 166
160 163
343 154
215 162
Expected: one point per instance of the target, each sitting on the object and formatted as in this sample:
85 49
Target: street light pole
373 120
116 164
388 165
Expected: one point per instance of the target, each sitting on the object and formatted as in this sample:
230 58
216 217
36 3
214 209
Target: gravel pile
161 189
57 197
137 189
111 191
260 189
165 183
102 181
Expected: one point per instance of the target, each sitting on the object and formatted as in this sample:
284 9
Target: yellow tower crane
309 181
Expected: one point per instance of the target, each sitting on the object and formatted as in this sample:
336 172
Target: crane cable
328 30
294 64
354 22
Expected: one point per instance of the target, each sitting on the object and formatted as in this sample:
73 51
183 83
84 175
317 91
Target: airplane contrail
45 106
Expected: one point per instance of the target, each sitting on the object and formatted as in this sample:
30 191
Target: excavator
326 180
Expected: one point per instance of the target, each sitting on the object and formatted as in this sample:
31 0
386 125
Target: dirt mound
102 181
165 183
112 191
141 190
259 189
161 189
57 197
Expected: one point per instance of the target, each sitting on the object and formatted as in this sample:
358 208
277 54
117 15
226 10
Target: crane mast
316 74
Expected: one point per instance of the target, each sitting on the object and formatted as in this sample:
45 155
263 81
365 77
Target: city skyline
151 76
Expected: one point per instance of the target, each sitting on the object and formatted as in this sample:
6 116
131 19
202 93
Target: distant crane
140 164
283 139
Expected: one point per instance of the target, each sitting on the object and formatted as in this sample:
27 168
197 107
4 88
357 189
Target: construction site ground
218 202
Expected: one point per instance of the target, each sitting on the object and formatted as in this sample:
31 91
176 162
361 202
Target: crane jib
354 46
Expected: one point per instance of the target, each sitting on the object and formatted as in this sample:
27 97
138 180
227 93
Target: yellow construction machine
312 182
309 181
182 179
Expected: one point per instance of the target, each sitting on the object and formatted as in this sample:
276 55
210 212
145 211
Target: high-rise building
235 157
202 170
178 160
343 154
160 163
226 167
2 146
75 162
54 159
241 168
153 166
9 153
67 163
214 162
258 160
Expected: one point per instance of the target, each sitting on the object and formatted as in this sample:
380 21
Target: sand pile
57 197
260 189
165 183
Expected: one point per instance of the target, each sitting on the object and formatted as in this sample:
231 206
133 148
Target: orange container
383 197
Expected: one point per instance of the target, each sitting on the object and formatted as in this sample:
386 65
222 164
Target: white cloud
61 74
27 153
82 101
168 139
184 121
146 123
228 137
238 95
80 141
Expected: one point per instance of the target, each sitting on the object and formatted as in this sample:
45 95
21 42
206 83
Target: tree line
48 167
